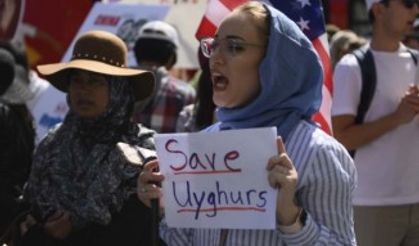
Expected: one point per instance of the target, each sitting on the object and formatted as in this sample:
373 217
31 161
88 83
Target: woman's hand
283 176
146 184
58 225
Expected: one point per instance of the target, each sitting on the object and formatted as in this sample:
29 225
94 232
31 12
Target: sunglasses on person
407 3
228 46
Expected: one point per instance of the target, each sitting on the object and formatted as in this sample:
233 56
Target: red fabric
56 23
206 28
324 116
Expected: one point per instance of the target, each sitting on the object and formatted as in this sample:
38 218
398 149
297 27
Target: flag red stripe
328 83
319 118
206 29
232 4
327 69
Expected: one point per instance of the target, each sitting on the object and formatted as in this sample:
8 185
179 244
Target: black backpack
369 80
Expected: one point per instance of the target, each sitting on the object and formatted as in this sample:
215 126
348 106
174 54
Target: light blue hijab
291 82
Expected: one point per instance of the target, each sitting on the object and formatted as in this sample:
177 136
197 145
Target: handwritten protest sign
218 180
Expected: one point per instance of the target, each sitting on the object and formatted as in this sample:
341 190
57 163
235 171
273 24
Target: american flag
308 14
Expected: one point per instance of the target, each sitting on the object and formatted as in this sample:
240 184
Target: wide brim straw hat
100 52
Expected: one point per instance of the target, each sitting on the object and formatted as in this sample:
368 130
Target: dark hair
161 52
204 107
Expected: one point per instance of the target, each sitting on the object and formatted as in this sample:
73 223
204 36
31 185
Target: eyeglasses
407 3
229 46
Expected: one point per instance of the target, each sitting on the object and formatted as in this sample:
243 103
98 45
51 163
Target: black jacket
16 150
129 227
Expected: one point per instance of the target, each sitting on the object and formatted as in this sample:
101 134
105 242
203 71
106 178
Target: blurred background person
344 42
16 136
331 30
386 139
36 87
156 50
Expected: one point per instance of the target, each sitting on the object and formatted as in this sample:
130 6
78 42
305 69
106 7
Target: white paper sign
124 20
218 180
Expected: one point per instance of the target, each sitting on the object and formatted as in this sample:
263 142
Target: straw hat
100 52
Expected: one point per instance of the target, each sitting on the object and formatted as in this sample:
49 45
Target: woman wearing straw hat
81 188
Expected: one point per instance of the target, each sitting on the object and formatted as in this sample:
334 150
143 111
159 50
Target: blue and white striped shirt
327 178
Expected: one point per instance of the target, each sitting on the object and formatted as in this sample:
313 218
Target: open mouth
219 81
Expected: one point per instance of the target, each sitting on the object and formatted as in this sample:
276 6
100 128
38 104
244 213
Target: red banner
49 26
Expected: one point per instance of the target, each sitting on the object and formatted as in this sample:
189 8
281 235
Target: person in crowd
265 72
201 114
81 188
21 88
386 199
17 133
156 50
16 136
36 93
343 42
331 30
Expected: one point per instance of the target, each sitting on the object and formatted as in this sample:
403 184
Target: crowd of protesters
81 184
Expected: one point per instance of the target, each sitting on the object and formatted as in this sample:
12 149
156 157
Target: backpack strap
414 54
369 80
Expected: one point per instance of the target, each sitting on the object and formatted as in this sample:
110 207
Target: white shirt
388 166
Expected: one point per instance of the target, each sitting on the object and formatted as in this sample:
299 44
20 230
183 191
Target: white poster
218 180
123 20
185 16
